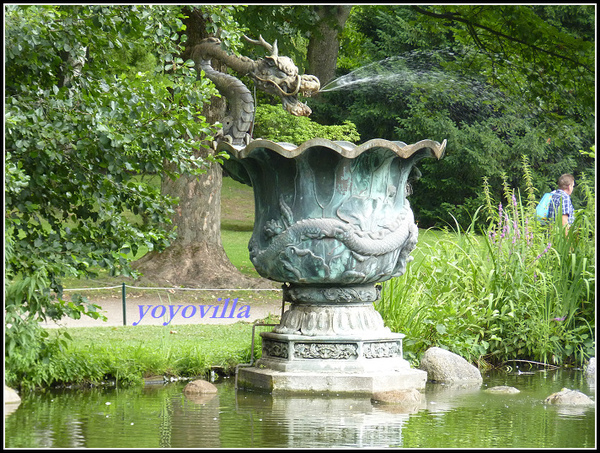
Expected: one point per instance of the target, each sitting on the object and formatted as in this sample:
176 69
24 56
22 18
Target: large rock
567 397
200 387
400 401
409 397
503 389
445 366
200 391
11 396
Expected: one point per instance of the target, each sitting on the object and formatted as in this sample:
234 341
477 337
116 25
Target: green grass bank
128 355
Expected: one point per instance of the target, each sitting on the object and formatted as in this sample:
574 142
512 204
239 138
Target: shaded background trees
497 81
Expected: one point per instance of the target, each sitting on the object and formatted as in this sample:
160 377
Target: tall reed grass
513 290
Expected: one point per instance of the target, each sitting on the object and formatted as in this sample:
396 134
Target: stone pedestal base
331 341
357 365
342 354
329 382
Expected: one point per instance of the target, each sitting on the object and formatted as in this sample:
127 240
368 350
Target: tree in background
324 43
196 257
309 34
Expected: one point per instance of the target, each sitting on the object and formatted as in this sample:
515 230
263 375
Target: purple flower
505 227
500 217
528 233
559 319
545 250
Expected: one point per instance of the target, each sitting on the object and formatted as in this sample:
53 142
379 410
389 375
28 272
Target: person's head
566 183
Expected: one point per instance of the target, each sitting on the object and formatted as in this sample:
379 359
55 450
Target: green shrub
127 354
274 123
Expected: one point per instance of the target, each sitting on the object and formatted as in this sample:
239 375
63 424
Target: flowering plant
518 290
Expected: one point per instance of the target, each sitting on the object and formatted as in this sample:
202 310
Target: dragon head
279 76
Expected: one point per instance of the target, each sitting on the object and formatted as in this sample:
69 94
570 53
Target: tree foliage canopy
527 50
81 128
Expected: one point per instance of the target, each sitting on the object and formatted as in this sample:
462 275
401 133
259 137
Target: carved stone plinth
332 311
331 339
331 350
283 352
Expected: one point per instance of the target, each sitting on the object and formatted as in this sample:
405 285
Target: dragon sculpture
274 74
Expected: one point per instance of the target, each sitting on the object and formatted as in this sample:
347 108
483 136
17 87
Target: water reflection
444 397
447 416
324 422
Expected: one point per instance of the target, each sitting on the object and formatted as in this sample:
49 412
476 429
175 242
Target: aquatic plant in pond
518 290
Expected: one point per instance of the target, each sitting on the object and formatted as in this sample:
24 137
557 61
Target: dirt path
172 308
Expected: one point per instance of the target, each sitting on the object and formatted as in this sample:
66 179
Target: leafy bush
519 290
81 126
273 123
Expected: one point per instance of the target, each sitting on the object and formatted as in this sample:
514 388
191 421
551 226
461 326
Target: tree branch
472 25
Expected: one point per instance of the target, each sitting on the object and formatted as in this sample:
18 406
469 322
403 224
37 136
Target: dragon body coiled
401 234
275 75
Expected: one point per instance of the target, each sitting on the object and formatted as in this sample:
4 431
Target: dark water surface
162 417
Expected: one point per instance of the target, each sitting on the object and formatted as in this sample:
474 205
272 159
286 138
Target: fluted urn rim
344 148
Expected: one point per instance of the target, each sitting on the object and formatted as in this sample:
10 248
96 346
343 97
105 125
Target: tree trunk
197 258
324 42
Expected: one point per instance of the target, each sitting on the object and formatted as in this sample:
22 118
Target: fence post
124 305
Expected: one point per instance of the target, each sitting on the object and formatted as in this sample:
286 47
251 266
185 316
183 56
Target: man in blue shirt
561 198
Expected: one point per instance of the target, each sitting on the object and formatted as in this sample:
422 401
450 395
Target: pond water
160 416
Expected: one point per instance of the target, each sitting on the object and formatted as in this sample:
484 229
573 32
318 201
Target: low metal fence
123 287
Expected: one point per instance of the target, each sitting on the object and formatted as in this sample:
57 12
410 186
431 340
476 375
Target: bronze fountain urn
331 222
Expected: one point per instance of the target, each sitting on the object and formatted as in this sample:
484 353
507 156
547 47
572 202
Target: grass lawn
128 353
235 244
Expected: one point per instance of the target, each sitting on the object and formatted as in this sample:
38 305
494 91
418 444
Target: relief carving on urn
331 220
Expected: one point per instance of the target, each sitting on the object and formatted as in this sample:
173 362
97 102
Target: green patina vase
330 213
